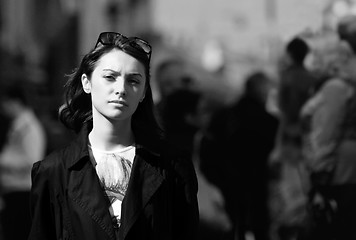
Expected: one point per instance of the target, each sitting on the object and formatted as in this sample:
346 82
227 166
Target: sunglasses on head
110 38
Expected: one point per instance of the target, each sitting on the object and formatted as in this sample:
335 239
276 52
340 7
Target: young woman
118 179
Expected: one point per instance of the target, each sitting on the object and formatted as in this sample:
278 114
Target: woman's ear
86 83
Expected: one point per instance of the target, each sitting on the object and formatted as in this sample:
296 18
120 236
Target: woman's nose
120 87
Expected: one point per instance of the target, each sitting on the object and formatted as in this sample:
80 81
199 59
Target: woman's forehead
119 60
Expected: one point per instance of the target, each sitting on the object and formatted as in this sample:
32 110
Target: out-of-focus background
209 47
44 40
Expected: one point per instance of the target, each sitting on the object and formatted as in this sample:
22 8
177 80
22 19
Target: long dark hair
77 109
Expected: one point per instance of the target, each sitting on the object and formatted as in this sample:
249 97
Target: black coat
67 200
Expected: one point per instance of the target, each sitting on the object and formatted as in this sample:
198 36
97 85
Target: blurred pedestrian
234 157
169 76
178 119
118 179
24 145
295 86
330 146
214 221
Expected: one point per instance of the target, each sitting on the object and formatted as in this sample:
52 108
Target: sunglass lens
108 38
143 45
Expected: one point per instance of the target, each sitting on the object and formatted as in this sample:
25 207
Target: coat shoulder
54 159
53 165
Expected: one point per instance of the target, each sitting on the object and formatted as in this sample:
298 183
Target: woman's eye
109 77
134 81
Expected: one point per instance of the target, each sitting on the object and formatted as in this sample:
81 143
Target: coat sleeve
41 208
185 204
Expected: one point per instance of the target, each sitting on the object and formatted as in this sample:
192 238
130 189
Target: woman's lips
119 102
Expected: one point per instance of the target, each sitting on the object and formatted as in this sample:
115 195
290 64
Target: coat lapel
84 187
85 190
145 179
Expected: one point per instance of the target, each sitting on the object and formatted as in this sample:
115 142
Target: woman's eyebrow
135 74
132 74
109 70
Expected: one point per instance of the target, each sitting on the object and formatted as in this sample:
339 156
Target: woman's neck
109 136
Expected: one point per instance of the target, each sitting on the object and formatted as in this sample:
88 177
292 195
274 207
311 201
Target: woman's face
117 85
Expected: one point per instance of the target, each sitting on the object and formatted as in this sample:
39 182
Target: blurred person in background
181 121
214 222
178 119
234 155
330 145
178 102
24 145
170 75
119 179
295 87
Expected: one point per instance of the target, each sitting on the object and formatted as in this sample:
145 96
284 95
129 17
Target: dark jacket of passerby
234 157
69 202
295 89
296 84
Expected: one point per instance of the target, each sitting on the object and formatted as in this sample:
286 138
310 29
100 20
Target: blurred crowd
276 163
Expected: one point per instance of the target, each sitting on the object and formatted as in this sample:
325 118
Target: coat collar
79 148
146 178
